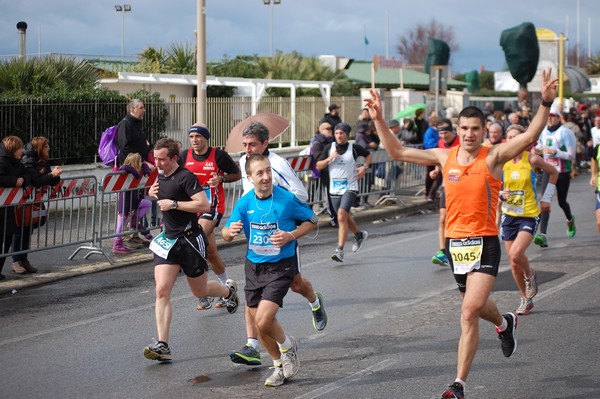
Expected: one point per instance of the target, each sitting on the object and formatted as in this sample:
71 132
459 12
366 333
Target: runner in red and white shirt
212 167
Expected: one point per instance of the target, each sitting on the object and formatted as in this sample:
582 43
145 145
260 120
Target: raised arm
506 151
392 146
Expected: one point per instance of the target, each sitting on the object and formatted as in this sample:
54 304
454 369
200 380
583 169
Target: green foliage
486 83
47 76
180 58
593 65
292 66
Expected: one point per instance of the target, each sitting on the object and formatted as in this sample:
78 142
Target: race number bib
260 242
515 203
554 162
340 185
161 245
466 254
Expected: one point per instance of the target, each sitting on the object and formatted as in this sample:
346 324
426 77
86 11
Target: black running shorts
490 261
189 252
269 281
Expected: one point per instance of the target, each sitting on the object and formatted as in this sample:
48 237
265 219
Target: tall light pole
201 61
123 9
268 3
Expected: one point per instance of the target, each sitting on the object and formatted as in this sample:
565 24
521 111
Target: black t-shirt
224 160
182 185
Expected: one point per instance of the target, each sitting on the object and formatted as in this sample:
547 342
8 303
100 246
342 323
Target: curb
406 205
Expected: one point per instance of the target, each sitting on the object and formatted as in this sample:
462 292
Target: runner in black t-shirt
181 245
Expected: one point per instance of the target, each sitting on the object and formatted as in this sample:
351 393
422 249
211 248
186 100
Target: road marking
386 363
85 322
347 380
567 283
371 248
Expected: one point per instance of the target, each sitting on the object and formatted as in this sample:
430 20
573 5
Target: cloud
311 27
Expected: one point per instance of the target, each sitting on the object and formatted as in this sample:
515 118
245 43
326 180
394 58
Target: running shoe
440 259
221 303
247 355
158 351
508 342
232 301
338 256
289 358
120 249
358 242
531 287
541 240
571 229
454 391
205 303
276 379
319 314
525 306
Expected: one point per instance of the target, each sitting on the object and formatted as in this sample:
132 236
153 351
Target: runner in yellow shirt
521 214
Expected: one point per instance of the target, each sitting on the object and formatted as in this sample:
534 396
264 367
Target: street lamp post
123 9
268 3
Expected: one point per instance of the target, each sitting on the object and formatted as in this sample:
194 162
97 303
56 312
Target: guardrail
82 211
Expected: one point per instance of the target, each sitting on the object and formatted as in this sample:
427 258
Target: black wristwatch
547 104
174 205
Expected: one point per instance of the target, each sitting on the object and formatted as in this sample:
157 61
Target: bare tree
413 45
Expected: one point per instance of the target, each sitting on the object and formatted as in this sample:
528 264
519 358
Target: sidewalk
406 204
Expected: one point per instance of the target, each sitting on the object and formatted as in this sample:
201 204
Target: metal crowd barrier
385 178
67 213
115 185
81 211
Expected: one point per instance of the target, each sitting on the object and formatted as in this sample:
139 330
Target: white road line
386 363
85 322
567 283
151 305
347 380
369 248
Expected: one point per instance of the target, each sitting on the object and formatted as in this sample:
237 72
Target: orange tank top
471 197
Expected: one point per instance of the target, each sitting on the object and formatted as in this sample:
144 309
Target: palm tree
151 60
593 65
38 76
181 58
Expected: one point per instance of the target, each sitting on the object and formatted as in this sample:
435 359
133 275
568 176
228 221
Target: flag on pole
366 40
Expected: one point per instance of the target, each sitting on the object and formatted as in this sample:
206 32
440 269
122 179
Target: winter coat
10 170
40 170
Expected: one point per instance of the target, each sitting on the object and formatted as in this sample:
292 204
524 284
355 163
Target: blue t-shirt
263 217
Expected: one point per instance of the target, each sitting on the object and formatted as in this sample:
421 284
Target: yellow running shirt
520 179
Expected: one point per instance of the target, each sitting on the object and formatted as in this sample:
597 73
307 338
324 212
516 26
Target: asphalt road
393 327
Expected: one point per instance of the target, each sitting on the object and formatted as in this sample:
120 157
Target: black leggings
562 189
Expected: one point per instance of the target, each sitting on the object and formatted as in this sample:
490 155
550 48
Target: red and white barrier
126 181
300 163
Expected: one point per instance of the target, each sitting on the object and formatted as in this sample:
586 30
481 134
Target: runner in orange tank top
472 176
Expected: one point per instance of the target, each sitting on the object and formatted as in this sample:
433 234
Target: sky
310 27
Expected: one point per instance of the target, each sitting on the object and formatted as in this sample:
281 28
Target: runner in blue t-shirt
272 219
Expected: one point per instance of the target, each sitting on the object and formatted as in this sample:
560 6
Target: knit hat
200 130
343 127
